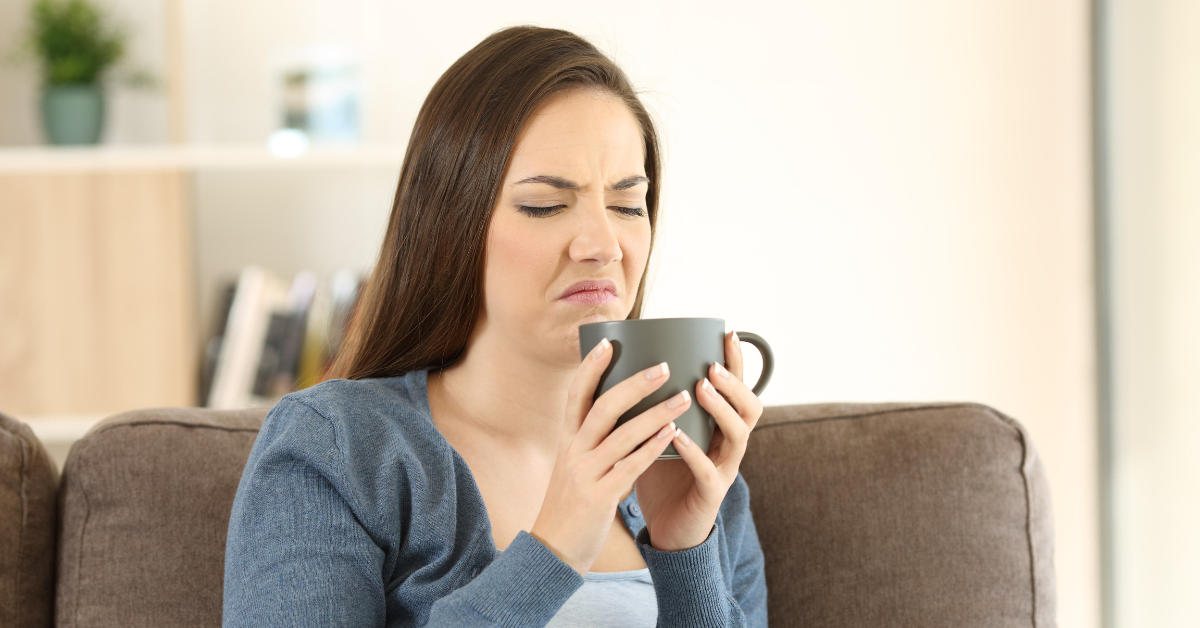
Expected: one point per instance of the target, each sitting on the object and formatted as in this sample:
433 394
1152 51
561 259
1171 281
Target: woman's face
580 155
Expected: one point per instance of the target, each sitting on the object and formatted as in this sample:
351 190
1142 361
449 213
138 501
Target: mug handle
768 359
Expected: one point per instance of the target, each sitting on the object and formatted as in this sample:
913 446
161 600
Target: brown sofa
869 515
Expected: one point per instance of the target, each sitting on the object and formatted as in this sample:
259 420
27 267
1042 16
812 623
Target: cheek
517 260
636 249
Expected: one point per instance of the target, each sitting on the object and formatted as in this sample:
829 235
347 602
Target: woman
442 483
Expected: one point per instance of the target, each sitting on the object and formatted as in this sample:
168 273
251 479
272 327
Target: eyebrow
564 184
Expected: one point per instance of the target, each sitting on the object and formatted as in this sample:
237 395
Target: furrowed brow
558 182
564 184
628 182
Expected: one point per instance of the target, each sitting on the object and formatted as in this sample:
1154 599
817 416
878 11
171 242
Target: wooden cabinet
96 291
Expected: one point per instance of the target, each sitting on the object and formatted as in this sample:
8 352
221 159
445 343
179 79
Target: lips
590 292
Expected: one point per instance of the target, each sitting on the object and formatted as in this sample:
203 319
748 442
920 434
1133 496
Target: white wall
908 190
894 194
1155 147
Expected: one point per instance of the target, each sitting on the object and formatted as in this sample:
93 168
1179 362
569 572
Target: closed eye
553 209
539 211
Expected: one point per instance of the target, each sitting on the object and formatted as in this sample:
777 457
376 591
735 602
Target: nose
595 241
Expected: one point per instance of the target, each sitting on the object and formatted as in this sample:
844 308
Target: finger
735 433
733 354
583 386
708 477
635 431
599 420
737 393
629 468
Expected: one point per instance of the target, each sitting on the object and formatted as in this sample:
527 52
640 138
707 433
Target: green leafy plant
75 41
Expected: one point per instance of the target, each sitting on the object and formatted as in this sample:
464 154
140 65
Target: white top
618 599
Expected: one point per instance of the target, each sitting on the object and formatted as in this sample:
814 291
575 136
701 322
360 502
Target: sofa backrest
145 500
28 487
901 515
868 514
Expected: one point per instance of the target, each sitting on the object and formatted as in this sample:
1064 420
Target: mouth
592 292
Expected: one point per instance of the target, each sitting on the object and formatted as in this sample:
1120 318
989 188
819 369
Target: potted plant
77 47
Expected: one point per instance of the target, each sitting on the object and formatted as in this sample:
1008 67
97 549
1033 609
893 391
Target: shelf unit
97 274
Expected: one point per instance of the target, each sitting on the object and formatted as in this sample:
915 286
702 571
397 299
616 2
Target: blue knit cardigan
354 510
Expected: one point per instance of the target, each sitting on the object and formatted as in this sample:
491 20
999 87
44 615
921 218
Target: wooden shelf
42 159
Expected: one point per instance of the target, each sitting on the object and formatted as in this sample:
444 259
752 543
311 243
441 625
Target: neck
504 392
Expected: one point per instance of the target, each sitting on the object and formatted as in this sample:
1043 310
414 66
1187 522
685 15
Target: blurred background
912 201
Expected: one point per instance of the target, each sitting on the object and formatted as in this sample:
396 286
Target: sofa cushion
28 490
901 515
145 504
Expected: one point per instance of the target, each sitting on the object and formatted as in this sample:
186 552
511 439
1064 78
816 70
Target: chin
594 317
614 311
571 334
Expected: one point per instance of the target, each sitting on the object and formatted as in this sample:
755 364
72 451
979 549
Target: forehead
579 130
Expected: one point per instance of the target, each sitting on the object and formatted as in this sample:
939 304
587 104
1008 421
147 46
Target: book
259 292
272 338
212 348
314 355
278 365
344 289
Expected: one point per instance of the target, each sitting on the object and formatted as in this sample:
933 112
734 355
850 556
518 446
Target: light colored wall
288 221
894 194
898 198
1155 147
18 83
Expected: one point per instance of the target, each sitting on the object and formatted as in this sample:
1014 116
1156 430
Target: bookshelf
98 273
109 254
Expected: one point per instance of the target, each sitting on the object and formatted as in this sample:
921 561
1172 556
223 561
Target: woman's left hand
680 498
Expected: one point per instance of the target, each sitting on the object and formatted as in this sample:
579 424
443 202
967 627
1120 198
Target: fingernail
658 371
667 429
721 370
682 438
678 400
599 350
735 336
708 387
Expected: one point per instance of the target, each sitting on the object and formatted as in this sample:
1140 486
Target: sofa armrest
28 517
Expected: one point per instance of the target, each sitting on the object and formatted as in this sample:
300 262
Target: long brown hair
421 302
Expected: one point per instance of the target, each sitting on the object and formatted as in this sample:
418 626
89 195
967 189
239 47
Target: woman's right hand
596 465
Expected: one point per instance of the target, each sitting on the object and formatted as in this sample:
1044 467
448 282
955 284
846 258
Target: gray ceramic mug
688 346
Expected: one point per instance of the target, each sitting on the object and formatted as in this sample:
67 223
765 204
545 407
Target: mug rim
648 320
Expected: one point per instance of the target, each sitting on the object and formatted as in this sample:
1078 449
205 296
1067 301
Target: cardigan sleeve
692 587
524 586
300 552
749 583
